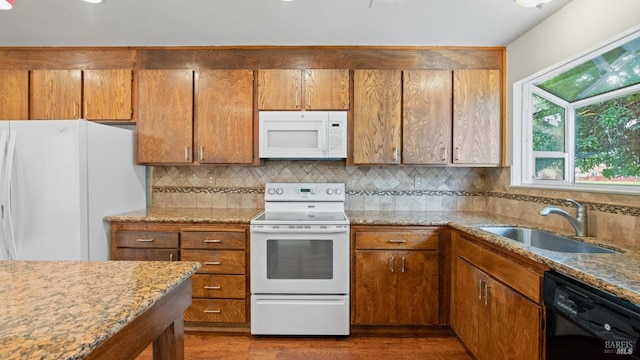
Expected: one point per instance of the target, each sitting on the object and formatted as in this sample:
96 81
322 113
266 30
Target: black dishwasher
586 323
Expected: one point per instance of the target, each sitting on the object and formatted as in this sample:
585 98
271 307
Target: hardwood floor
354 347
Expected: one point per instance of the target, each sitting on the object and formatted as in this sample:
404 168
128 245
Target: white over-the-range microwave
303 134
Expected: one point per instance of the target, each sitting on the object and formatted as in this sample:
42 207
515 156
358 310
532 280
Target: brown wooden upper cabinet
309 89
224 117
14 94
75 94
223 120
377 116
476 117
426 126
165 117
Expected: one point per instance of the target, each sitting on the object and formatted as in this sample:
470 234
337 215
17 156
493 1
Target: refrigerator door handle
11 147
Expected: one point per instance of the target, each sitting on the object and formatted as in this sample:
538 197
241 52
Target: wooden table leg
170 344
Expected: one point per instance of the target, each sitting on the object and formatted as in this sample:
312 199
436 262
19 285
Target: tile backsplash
612 217
368 188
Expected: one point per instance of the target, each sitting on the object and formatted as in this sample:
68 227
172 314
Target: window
580 123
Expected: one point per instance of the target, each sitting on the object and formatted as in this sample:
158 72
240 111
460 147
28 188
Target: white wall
580 26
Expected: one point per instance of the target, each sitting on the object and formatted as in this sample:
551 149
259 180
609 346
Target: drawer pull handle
212 241
144 240
212 262
209 287
212 311
397 241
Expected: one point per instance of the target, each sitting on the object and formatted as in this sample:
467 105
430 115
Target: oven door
300 261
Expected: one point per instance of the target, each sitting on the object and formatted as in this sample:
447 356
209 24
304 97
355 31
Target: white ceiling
267 22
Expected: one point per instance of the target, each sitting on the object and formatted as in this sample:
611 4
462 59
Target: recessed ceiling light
6 4
93 1
532 3
389 3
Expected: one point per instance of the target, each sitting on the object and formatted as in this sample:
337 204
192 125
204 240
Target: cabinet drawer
414 239
214 240
139 254
146 239
228 311
518 277
217 261
218 286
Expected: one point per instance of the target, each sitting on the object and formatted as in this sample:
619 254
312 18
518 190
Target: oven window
299 259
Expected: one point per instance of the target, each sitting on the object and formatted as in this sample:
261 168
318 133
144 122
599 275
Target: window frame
523 161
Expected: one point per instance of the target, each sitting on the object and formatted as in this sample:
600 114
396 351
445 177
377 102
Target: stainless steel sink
545 240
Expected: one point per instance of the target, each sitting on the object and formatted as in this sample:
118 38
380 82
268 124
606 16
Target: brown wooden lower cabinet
397 272
216 311
492 319
219 288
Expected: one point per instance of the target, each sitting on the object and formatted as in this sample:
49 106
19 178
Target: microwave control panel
337 135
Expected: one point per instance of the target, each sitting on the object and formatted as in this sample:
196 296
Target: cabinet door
326 89
417 287
224 117
476 117
280 89
515 325
375 288
56 94
467 313
377 116
165 116
427 117
107 94
14 94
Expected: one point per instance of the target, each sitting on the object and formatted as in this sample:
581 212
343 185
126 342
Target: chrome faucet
579 223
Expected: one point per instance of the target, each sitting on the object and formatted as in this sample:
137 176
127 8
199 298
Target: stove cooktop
285 217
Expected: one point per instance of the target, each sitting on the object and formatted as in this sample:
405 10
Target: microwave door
293 139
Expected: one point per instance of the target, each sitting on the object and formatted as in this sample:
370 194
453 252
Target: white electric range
300 261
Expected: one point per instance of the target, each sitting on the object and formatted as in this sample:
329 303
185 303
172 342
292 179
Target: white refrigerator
58 180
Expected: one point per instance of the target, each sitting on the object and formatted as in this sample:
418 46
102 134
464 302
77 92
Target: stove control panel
304 192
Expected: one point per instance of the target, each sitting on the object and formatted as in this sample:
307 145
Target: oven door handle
299 231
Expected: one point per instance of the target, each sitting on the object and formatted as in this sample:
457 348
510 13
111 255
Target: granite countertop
617 273
66 309
187 215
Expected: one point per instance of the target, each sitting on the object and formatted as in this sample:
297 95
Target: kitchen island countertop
68 309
